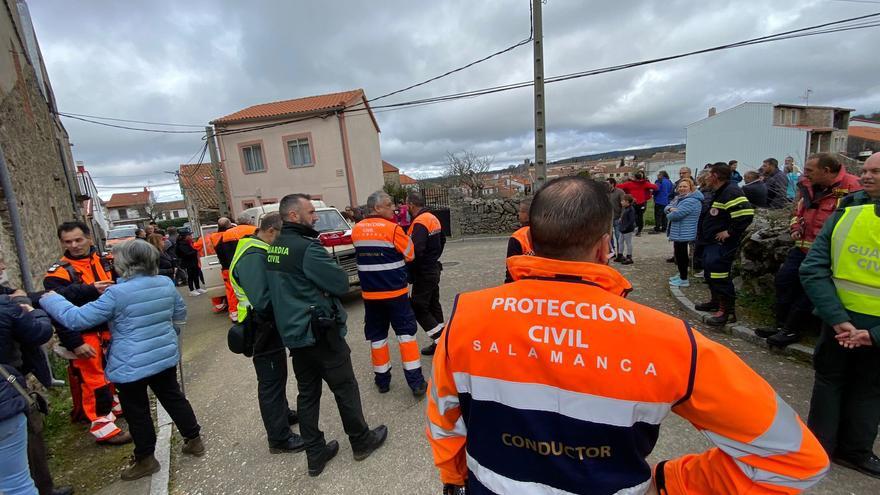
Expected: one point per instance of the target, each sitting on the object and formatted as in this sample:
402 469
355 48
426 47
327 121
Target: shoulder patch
53 268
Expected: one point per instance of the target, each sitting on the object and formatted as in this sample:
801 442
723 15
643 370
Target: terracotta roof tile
388 168
406 180
309 104
197 184
869 133
129 199
172 205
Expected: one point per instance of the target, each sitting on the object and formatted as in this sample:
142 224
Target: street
222 389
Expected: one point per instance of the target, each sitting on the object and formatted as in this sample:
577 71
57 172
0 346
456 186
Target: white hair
135 257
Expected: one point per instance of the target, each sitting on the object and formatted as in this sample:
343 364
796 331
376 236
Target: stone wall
484 216
764 248
29 136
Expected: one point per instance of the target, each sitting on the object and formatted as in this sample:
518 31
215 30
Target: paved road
222 388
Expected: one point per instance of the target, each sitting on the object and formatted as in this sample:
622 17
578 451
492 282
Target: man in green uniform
841 275
304 286
247 275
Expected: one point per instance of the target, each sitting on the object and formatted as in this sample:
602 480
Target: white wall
744 133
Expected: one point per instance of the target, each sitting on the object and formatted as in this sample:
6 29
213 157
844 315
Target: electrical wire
130 121
142 129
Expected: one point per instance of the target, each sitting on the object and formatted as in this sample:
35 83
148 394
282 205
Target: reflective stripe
435 232
771 478
736 201
382 368
502 484
856 287
409 249
445 403
439 433
104 430
804 244
381 267
783 436
384 294
793 221
412 365
406 338
540 397
742 213
434 331
378 344
373 243
716 204
719 275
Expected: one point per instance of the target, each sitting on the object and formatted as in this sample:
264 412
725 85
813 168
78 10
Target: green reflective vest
855 259
243 245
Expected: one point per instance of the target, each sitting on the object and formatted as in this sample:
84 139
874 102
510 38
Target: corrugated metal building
751 132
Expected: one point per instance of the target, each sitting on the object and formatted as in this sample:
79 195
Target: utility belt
326 328
249 336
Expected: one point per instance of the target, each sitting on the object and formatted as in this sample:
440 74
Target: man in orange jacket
383 250
521 241
85 274
428 241
556 383
225 246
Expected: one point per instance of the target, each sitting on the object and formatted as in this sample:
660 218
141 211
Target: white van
335 236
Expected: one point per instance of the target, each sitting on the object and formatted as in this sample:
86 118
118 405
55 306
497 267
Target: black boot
293 445
765 332
429 350
374 441
709 306
724 315
784 338
869 466
320 460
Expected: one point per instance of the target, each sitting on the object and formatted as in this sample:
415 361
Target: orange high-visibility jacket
428 239
524 237
556 383
383 250
228 240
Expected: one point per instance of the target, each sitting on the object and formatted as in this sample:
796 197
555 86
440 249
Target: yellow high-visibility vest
855 259
243 245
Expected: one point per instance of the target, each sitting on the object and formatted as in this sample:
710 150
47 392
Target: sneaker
138 469
202 291
674 278
319 462
194 293
783 338
193 446
765 332
698 274
376 439
627 261
679 283
419 391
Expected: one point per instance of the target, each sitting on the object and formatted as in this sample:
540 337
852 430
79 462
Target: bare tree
467 169
155 211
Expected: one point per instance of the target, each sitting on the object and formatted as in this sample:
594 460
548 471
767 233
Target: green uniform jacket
301 274
816 275
250 273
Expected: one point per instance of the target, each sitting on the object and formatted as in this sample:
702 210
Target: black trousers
845 407
426 301
329 363
38 453
640 217
193 274
659 218
271 371
682 260
136 404
717 265
794 310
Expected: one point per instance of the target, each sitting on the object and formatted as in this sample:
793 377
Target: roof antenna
806 97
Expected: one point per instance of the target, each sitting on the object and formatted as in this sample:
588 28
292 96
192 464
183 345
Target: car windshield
120 233
330 220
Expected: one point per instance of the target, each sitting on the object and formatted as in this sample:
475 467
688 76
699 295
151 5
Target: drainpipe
24 263
346 158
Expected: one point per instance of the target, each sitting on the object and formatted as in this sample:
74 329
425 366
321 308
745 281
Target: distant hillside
639 154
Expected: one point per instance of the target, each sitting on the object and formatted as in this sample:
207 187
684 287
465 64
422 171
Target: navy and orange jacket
77 276
383 250
520 242
226 243
428 240
815 206
556 383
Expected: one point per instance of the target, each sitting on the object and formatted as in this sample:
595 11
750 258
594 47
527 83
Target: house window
176 214
123 213
247 204
299 153
794 117
253 158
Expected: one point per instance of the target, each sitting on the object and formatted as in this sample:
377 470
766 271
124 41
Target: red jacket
813 207
640 190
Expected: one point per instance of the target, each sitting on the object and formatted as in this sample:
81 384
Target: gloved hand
449 489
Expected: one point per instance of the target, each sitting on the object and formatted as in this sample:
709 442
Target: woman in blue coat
683 214
142 310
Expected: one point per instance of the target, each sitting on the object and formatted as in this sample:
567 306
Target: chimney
80 166
712 112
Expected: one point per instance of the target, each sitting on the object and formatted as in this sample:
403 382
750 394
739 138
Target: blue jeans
15 476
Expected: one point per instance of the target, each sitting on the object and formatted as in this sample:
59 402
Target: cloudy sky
189 62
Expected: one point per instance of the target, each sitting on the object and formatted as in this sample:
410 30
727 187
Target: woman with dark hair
188 257
166 262
143 310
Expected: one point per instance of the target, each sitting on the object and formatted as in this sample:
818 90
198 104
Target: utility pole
218 175
540 131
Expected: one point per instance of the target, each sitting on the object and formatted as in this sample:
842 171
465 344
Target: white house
752 132
131 208
170 210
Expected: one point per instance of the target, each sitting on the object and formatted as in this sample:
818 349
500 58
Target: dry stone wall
484 216
764 248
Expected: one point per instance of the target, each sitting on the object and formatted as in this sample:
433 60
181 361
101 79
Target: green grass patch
757 310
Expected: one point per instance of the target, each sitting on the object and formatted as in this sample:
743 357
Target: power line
142 129
137 187
127 120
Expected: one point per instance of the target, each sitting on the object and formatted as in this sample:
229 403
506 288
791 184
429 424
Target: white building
752 132
171 210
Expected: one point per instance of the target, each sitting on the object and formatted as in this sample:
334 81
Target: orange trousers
231 300
97 396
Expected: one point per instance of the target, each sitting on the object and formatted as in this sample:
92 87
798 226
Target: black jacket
729 210
627 220
427 246
21 334
166 265
187 254
757 193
